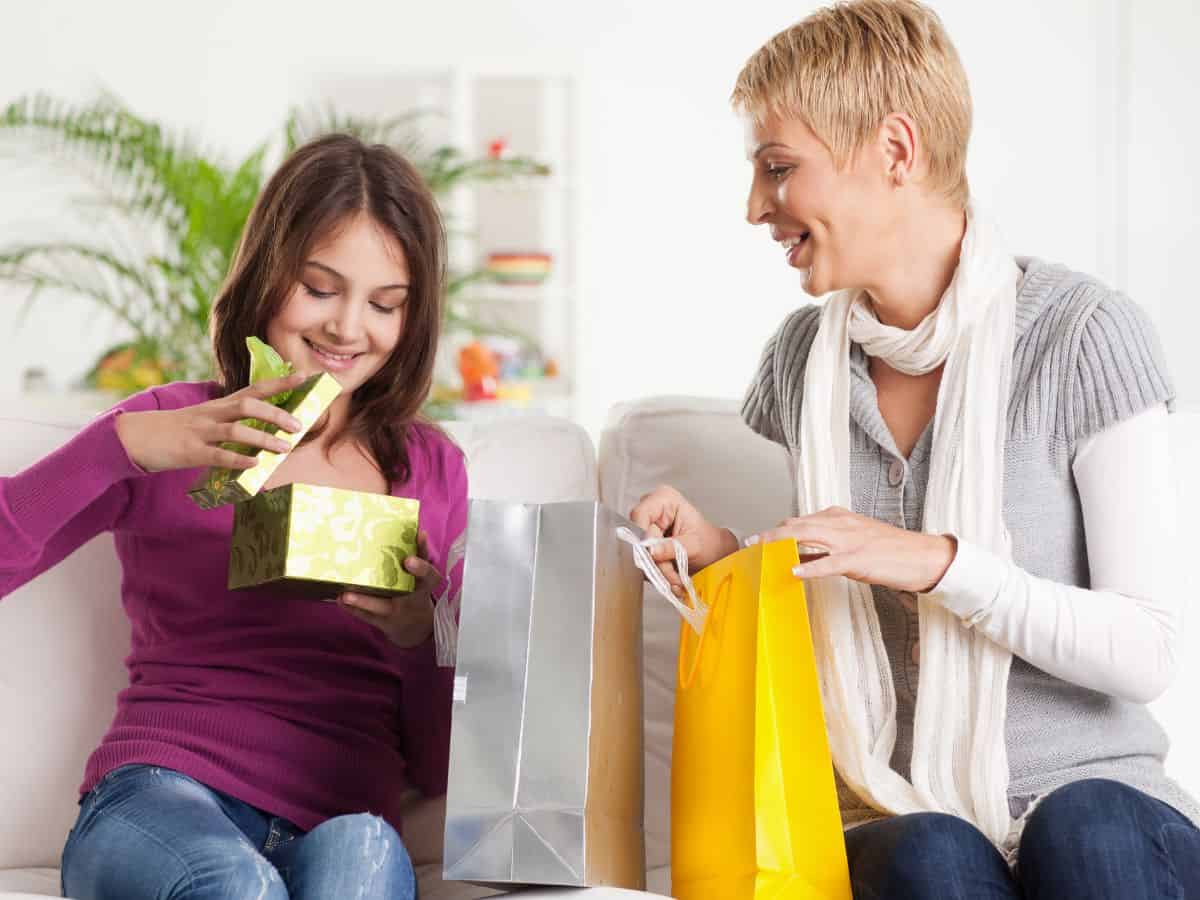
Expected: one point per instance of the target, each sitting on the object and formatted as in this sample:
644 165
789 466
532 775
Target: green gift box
324 540
307 403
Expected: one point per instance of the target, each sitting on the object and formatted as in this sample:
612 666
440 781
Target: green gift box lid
324 541
307 403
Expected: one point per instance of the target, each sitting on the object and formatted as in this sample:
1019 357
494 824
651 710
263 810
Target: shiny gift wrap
307 403
324 540
546 776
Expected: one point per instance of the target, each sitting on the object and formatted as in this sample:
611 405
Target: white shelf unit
535 114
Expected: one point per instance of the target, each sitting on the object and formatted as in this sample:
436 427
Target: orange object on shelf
479 369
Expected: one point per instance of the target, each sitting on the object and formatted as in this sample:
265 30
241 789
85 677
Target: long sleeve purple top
289 704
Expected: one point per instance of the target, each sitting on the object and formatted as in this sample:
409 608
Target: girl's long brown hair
316 189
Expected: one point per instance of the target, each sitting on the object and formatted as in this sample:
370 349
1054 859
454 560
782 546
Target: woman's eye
320 295
778 172
386 310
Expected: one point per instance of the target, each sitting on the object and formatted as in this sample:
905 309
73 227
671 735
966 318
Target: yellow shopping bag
754 811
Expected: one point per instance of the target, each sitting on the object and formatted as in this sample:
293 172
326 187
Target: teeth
339 357
794 241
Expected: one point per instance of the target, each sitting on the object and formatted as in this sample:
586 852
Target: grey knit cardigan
1085 357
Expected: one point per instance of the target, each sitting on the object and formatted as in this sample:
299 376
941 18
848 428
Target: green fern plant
191 205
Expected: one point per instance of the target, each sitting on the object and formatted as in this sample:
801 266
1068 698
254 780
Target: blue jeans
1090 840
146 833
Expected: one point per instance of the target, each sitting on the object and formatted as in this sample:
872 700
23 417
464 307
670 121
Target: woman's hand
192 436
664 512
407 619
866 550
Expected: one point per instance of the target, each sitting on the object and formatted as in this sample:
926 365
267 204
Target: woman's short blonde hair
843 69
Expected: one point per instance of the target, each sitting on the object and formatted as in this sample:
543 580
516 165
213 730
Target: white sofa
63 637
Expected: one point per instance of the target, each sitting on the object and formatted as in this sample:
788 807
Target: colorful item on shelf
480 370
498 148
511 355
518 268
127 369
499 367
514 393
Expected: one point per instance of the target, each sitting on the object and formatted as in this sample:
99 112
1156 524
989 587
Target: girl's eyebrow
338 275
332 271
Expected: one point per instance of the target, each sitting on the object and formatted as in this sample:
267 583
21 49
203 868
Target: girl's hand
407 619
192 436
866 550
664 512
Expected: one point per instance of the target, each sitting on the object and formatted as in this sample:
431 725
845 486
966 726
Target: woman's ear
901 147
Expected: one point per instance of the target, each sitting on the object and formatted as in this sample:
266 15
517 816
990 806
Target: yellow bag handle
685 681
698 614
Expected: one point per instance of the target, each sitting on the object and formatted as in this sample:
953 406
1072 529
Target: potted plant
191 204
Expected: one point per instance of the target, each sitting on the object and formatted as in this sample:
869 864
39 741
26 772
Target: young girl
265 740
980 444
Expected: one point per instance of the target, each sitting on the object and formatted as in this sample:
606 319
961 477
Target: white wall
1161 217
1082 120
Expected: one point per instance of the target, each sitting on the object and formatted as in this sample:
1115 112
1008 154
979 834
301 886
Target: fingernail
295 424
282 447
798 571
750 541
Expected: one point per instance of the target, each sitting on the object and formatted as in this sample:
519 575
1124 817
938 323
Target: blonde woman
980 444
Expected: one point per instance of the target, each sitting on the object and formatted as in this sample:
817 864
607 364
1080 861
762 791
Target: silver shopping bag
546 766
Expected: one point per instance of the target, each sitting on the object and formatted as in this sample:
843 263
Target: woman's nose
758 204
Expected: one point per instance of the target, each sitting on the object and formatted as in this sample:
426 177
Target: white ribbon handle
445 631
696 614
447 608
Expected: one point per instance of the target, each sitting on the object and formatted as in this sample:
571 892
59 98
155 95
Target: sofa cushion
533 459
701 447
63 640
26 884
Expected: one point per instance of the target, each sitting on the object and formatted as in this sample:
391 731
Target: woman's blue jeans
1090 840
147 833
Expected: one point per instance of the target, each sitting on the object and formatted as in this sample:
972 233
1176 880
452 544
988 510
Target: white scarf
959 761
